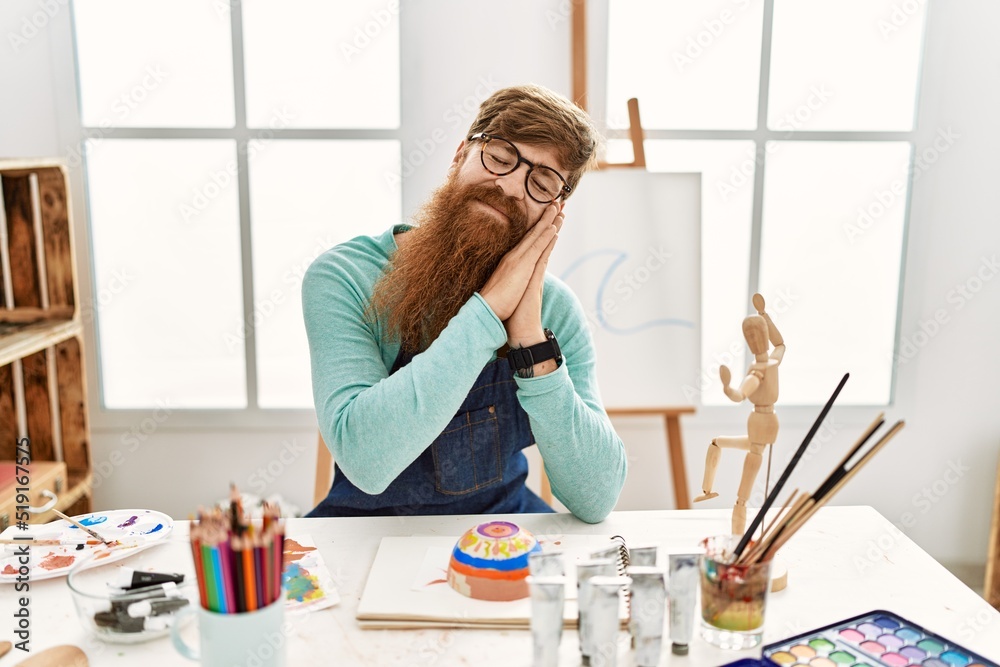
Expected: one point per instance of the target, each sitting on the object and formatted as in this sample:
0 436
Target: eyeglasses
500 157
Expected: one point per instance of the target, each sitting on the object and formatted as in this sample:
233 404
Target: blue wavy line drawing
619 259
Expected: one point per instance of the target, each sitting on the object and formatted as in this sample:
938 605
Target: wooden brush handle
837 487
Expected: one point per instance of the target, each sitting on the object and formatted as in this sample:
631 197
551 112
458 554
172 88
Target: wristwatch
523 359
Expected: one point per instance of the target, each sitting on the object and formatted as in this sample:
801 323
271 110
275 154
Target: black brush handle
839 473
787 472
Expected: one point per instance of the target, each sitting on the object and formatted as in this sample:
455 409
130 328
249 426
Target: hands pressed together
514 291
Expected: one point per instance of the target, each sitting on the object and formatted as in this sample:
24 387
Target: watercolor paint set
875 639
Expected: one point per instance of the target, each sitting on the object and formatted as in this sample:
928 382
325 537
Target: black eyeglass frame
485 139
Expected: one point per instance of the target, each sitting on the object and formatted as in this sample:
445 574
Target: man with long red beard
441 350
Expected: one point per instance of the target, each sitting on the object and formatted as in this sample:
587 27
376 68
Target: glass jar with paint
733 596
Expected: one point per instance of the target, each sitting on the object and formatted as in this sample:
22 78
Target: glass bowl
112 614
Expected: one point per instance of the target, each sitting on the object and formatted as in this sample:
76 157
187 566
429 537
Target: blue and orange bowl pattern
490 561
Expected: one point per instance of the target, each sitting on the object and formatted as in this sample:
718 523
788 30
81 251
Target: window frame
598 15
72 134
145 421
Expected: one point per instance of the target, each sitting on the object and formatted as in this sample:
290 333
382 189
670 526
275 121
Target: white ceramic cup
250 638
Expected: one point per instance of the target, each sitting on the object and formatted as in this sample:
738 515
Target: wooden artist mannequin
761 386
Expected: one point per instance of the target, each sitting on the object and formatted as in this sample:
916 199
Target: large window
800 114
236 140
221 160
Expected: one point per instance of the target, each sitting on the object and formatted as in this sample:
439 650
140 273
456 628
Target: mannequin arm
779 353
775 337
733 395
772 331
750 384
773 334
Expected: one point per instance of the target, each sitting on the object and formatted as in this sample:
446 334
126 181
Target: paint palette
130 531
877 638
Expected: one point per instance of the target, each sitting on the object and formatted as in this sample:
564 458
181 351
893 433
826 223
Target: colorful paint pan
875 639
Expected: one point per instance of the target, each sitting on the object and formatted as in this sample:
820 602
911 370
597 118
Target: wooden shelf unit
43 392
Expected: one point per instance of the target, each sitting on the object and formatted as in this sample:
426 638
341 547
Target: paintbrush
51 543
790 508
806 503
841 470
796 523
92 533
786 473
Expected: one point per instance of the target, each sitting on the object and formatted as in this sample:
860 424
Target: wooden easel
671 414
992 589
578 21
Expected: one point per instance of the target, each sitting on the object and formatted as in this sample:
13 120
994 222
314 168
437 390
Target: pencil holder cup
127 617
245 638
733 597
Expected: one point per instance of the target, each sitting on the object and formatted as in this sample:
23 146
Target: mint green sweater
376 424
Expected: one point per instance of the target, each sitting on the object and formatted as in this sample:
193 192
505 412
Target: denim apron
474 467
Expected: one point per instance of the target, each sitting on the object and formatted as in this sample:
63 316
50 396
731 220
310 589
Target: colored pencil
247 557
211 591
237 561
228 576
279 563
269 569
236 558
199 570
259 567
220 582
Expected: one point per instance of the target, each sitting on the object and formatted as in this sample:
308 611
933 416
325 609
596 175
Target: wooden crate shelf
43 392
18 341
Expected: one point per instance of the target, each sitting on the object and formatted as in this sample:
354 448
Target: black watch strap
524 358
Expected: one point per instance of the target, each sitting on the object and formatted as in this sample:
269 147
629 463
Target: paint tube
648 607
607 552
129 579
155 607
548 596
546 564
117 622
644 555
683 583
584 571
122 598
143 609
604 605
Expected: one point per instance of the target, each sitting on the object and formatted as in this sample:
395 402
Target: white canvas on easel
630 250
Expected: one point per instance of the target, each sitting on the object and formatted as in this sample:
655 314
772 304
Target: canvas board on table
407 586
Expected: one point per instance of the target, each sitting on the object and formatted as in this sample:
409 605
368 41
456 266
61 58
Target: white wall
946 391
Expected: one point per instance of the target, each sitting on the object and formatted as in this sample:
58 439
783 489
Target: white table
846 561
